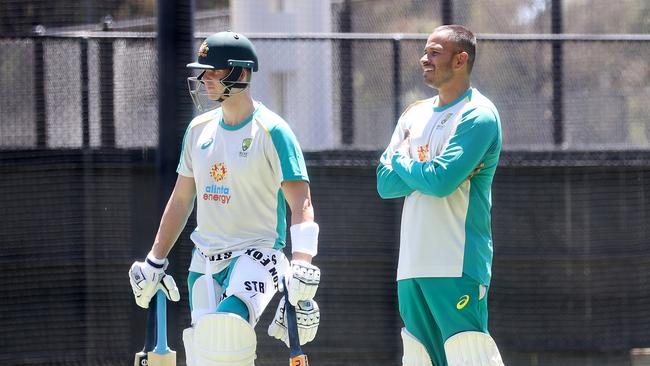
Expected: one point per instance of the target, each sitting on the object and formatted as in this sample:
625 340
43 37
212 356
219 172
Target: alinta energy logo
423 152
218 172
215 192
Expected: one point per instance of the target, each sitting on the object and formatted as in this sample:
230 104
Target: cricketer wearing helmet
442 159
242 165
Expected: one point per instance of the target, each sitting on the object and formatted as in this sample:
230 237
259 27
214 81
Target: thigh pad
255 277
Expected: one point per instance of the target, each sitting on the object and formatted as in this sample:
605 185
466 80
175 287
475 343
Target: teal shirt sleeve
389 184
185 162
292 161
475 135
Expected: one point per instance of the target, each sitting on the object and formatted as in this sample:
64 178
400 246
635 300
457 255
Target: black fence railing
357 93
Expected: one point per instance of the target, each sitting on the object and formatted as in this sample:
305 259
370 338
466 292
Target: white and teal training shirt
446 226
238 171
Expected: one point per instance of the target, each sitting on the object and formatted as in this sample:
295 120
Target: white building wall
295 77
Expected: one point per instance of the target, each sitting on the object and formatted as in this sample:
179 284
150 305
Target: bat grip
292 324
161 324
150 330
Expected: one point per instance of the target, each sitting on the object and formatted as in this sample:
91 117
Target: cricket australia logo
218 172
203 50
245 145
444 120
423 152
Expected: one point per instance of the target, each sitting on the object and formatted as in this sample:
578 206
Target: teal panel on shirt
187 131
292 161
477 262
281 227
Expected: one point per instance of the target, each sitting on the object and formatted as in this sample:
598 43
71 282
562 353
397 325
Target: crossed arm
398 175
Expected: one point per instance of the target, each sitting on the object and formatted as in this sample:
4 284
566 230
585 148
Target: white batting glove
308 319
148 277
302 281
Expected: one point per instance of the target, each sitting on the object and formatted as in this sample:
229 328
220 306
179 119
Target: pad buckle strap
223 256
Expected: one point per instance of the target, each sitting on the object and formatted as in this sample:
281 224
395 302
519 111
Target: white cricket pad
220 339
205 297
415 354
472 349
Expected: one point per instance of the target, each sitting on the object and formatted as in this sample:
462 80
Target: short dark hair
463 39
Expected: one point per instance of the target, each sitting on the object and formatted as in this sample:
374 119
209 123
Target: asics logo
463 302
207 143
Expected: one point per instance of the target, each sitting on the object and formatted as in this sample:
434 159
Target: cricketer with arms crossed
242 164
442 158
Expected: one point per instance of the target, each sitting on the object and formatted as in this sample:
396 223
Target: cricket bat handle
161 355
296 356
149 335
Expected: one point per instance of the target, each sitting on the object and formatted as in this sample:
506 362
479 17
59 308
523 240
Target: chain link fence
80 151
333 100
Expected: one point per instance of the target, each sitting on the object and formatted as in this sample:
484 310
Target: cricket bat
296 356
149 335
161 355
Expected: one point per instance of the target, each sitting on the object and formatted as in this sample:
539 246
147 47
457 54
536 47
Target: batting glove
308 319
302 281
148 277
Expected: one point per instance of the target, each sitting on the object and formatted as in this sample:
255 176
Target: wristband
155 262
304 238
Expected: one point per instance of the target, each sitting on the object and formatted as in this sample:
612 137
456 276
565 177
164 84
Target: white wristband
155 262
304 238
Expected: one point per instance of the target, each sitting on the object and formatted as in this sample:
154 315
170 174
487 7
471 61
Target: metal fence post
87 203
39 93
447 12
106 93
397 78
175 50
557 72
347 77
83 68
175 109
